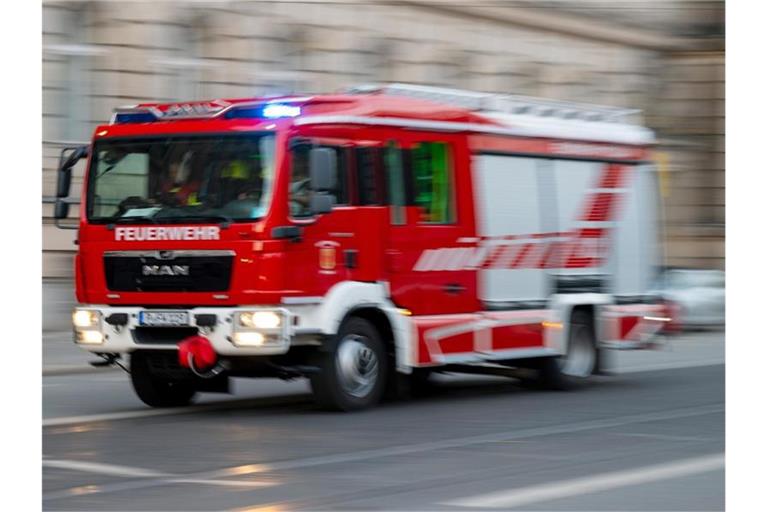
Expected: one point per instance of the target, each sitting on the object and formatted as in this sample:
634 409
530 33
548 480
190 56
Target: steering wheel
300 188
131 202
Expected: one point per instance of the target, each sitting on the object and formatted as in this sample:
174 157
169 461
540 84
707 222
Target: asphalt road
644 439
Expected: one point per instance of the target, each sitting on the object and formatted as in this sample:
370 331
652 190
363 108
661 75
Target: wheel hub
357 366
580 359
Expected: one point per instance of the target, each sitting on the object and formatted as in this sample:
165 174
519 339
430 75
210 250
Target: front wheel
155 390
353 369
580 360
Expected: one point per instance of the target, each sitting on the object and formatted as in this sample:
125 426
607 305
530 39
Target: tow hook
108 360
294 372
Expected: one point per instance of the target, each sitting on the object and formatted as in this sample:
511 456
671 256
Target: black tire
353 368
155 390
581 360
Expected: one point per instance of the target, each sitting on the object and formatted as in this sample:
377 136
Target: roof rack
505 103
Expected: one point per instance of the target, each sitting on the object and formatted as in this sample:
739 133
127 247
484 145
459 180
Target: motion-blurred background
666 57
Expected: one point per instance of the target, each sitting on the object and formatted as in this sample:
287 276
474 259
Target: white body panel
500 214
518 196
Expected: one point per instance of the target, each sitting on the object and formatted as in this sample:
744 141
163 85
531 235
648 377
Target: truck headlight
248 339
90 337
259 320
87 324
257 328
85 318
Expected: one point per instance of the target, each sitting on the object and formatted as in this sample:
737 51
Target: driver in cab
179 189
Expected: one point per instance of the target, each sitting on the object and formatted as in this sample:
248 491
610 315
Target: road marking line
663 437
89 418
229 483
102 469
146 413
667 366
489 438
393 451
592 484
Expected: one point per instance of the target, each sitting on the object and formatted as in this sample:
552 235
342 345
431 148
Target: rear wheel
353 369
156 390
580 360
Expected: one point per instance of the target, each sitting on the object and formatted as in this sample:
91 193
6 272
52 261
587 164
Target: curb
223 405
59 371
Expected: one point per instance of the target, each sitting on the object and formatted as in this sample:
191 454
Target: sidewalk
62 357
688 349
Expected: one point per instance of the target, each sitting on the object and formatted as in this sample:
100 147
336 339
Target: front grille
162 335
168 271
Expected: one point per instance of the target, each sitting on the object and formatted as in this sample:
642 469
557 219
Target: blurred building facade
664 57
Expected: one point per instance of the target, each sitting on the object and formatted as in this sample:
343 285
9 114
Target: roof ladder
506 103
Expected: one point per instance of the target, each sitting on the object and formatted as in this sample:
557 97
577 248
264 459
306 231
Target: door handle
454 288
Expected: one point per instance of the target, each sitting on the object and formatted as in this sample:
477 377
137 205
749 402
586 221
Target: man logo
165 270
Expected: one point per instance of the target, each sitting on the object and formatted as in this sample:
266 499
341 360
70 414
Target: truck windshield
181 179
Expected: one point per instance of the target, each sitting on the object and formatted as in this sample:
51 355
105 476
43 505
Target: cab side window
299 190
341 191
395 169
368 174
432 182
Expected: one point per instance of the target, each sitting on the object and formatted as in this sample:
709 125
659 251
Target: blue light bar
269 110
278 110
134 117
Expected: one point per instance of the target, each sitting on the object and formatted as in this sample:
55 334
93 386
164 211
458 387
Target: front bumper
221 332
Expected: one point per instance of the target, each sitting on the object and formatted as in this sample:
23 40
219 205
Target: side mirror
322 169
63 182
69 157
321 203
60 209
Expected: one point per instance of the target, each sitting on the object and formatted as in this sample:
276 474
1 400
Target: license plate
163 318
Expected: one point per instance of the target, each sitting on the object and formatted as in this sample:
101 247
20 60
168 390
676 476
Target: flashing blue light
134 117
277 110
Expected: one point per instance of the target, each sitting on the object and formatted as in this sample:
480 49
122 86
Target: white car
698 296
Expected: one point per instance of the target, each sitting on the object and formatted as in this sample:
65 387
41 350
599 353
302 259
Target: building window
71 88
184 67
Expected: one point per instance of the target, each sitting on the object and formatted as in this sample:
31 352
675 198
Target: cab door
324 254
431 240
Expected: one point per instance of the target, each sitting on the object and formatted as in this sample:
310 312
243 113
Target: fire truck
364 240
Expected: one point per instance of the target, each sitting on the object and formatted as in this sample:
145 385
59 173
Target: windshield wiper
132 220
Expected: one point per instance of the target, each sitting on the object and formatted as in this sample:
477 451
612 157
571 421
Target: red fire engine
363 240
